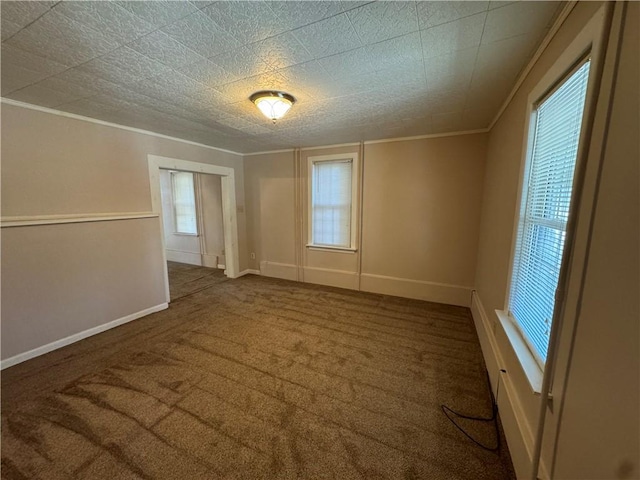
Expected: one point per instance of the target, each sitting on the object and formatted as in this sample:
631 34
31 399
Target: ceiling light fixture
273 104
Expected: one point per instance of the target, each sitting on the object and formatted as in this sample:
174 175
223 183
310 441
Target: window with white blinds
184 203
332 202
546 199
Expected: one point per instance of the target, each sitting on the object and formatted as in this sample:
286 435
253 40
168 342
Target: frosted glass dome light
274 105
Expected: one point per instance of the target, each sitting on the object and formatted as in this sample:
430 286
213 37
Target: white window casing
544 211
332 201
184 203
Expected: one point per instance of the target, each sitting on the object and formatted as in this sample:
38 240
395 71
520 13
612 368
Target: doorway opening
193 230
198 229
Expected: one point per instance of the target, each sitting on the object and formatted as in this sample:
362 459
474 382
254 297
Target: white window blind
546 199
331 203
184 202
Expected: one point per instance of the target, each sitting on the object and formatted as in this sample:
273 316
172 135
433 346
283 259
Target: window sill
311 246
185 234
531 369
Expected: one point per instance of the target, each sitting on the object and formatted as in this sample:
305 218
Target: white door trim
229 217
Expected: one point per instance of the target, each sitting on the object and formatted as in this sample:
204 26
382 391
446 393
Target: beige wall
270 208
597 413
429 206
60 280
599 434
210 188
100 168
421 214
499 203
422 208
54 165
503 170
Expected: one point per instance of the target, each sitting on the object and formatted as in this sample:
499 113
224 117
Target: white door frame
229 220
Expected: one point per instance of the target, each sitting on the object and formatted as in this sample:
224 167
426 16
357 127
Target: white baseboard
517 430
331 278
222 267
184 257
210 261
401 287
36 352
418 289
248 271
285 271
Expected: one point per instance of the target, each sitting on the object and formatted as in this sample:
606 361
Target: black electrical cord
493 418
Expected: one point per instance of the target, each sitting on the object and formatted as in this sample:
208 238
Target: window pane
545 210
184 202
331 203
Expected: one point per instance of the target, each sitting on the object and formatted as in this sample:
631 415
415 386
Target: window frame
588 42
523 195
351 157
172 174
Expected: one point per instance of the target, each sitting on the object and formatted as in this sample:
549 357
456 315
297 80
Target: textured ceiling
359 70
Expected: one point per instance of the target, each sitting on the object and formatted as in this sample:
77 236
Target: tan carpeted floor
257 378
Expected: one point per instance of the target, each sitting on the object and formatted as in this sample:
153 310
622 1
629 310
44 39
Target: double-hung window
184 203
546 200
332 188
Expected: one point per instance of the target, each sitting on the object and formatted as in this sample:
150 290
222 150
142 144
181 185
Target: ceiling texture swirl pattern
358 70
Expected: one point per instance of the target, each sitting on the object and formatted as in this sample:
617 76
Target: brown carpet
257 378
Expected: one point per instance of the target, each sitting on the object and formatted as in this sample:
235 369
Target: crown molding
562 16
284 150
371 142
74 116
429 135
304 149
521 78
335 145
